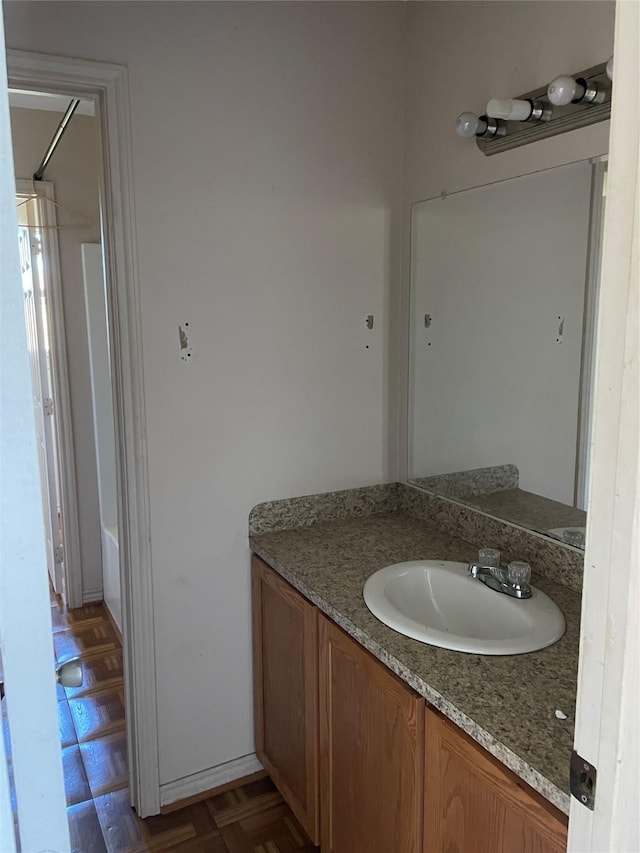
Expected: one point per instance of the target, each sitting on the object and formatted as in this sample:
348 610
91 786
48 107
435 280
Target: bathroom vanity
379 742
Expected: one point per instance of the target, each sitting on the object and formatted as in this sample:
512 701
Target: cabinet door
372 752
285 647
473 804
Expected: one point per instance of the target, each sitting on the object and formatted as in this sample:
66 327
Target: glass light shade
469 124
510 109
563 90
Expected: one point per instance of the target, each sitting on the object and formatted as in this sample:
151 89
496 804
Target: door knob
69 673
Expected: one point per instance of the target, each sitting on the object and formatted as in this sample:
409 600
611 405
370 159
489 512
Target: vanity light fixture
569 90
469 124
567 103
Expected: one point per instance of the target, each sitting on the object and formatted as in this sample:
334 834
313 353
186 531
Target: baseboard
206 780
91 595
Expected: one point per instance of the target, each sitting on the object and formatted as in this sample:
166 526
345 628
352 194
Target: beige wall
73 170
267 147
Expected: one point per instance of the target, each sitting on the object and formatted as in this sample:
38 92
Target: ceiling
46 101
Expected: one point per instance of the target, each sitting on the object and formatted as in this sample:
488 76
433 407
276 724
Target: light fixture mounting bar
563 119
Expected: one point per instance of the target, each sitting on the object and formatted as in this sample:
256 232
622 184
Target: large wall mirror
504 286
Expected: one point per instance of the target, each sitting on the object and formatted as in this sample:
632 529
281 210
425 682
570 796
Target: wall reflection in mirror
504 282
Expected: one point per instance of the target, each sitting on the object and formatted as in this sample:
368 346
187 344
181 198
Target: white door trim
107 84
608 684
62 397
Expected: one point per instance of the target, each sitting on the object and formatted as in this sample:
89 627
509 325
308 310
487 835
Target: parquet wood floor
249 818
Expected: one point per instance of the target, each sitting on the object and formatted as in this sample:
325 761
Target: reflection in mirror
503 293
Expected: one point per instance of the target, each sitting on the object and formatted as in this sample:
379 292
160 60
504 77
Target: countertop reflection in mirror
504 282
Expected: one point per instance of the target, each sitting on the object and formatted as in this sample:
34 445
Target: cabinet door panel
371 747
285 644
473 804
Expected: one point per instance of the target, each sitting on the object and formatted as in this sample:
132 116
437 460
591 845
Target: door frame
72 565
608 671
107 85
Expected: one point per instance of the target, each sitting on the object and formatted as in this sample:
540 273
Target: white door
35 311
25 620
607 731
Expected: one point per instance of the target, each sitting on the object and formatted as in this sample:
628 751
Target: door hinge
582 780
58 554
47 406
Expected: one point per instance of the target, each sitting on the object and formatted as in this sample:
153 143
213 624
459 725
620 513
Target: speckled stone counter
507 704
496 491
529 510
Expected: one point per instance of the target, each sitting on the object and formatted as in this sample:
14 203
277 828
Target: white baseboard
205 780
89 595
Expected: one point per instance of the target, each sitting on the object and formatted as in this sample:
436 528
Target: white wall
103 422
267 142
73 170
460 54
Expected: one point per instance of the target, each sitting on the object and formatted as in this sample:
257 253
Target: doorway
107 87
57 218
65 312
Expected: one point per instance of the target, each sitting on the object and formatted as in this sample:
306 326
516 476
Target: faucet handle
519 572
489 557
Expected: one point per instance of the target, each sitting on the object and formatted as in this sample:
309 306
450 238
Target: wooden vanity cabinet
364 764
474 804
371 752
285 675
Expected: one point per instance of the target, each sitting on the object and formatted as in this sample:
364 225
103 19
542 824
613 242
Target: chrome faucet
512 580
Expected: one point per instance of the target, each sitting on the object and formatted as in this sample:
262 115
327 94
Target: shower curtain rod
57 136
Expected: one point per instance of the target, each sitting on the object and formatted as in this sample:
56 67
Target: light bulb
610 69
563 90
511 109
469 124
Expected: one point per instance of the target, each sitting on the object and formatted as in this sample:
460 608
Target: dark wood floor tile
257 788
163 832
75 779
99 671
85 829
98 714
82 617
105 763
121 827
91 639
242 802
65 723
211 844
124 832
273 830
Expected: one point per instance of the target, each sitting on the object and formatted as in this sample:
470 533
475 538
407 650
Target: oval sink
438 602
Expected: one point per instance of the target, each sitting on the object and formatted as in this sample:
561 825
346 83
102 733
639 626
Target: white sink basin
439 603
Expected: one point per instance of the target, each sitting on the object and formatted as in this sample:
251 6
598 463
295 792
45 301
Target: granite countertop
529 510
507 704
